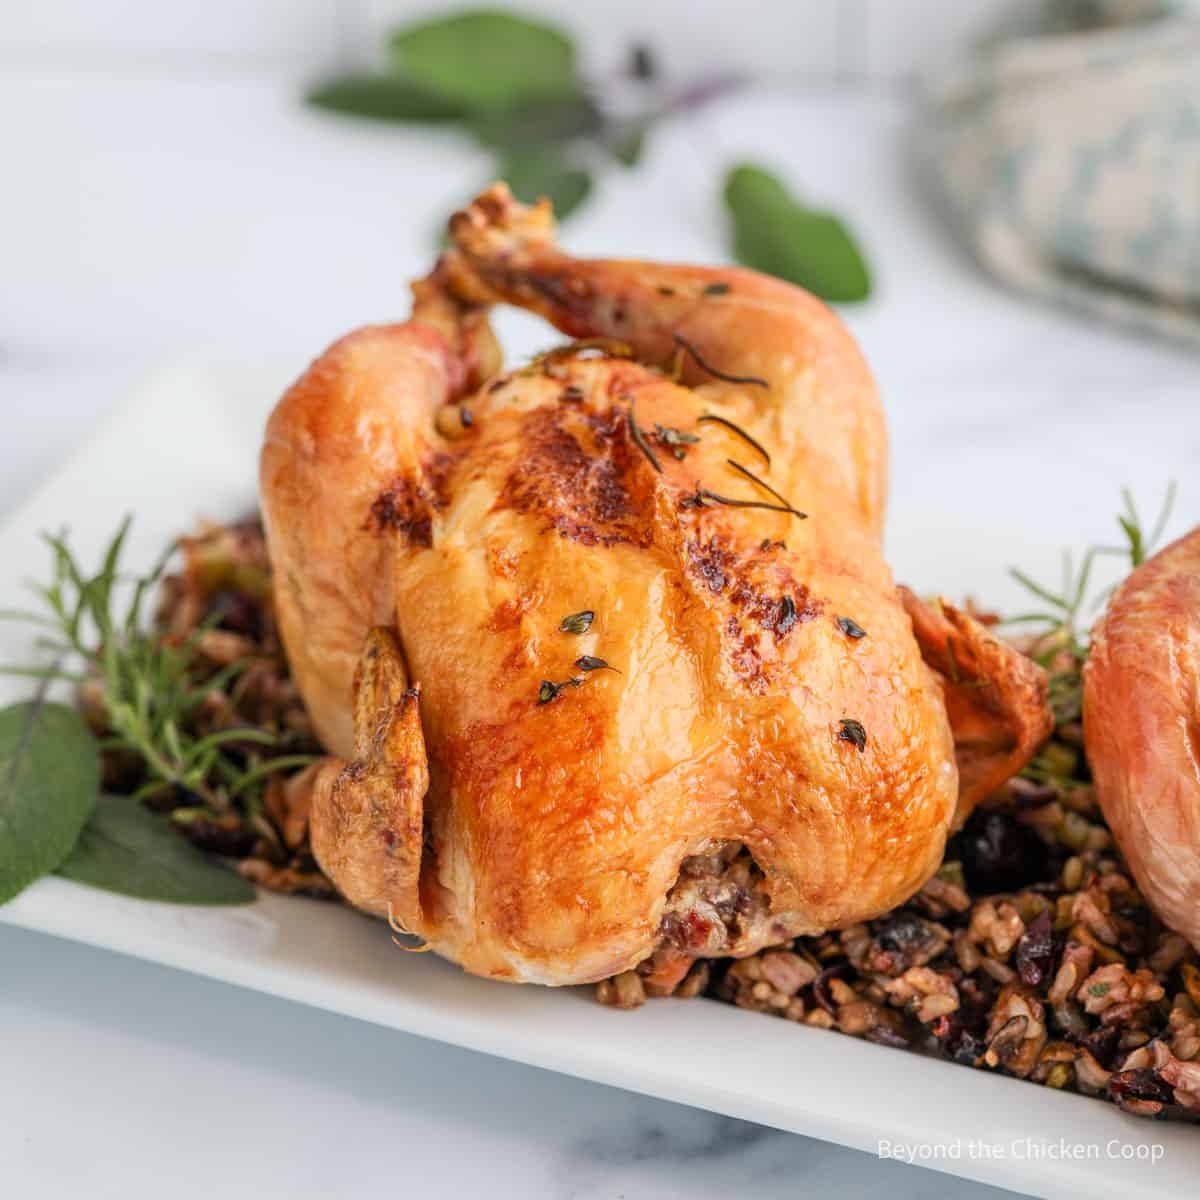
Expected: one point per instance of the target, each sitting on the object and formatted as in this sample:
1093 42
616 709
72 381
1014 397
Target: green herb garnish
549 691
851 628
736 429
639 439
589 662
703 497
766 487
49 777
579 622
148 684
124 848
852 731
1061 645
676 440
708 368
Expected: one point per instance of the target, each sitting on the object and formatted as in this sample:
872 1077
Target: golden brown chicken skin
1141 713
616 647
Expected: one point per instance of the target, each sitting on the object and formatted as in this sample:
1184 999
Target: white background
164 195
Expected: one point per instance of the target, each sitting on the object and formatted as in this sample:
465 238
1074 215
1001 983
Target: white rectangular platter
187 448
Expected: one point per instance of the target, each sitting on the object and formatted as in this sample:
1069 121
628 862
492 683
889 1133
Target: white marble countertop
154 219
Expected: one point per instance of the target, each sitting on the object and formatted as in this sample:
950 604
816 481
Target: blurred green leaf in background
485 60
513 84
805 246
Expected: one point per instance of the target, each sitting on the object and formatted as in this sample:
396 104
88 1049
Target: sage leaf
808 247
125 848
485 59
49 777
383 98
538 123
627 145
532 176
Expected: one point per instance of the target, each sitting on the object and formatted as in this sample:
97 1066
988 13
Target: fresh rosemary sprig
1067 606
1139 547
708 368
739 431
766 487
1061 647
639 440
149 684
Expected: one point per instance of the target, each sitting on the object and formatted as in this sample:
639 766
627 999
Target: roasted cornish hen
632 674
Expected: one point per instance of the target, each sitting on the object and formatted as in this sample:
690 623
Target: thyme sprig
577 622
589 662
149 685
549 690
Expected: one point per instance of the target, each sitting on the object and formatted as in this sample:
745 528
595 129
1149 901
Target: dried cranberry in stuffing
1035 951
1103 1044
1140 1085
998 854
956 1041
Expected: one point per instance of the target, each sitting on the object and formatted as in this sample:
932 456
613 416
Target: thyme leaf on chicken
578 622
851 628
852 731
589 662
550 690
676 440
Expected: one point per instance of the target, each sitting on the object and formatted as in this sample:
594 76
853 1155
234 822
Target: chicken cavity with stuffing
605 646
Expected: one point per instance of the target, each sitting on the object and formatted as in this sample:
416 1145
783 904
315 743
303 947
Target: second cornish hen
633 675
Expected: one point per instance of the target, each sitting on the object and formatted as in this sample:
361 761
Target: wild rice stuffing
1030 952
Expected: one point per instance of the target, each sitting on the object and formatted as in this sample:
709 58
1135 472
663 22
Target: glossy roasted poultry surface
633 675
1142 723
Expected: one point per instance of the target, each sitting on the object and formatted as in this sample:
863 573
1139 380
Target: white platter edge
186 446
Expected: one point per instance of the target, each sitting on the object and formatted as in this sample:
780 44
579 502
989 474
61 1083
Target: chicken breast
633 617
